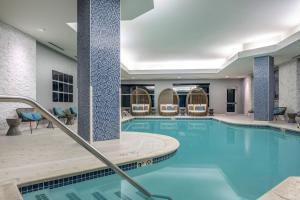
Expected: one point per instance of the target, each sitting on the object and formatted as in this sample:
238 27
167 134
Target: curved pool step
109 195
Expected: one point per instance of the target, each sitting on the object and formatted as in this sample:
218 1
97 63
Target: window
183 89
127 89
62 87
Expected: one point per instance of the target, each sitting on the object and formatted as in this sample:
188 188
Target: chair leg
37 124
30 127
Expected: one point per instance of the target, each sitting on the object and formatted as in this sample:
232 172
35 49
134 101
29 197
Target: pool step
122 196
98 196
110 195
73 196
41 197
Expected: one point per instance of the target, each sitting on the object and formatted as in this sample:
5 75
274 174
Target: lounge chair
29 115
73 111
168 109
60 113
197 102
197 109
140 109
278 111
140 102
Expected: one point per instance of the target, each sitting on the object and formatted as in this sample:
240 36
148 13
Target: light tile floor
49 153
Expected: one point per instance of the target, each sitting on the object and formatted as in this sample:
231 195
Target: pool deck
289 189
49 153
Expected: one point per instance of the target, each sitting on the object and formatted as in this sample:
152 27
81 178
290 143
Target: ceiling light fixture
174 64
73 26
41 29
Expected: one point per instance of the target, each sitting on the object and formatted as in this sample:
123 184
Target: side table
13 127
70 119
182 111
292 117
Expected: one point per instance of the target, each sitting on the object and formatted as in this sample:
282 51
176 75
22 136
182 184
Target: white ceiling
51 15
201 35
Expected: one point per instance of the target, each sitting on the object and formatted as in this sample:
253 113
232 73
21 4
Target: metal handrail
80 141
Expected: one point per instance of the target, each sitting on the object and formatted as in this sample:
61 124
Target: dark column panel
99 69
263 88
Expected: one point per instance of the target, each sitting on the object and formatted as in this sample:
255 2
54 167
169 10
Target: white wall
289 86
217 91
248 94
48 60
17 69
26 70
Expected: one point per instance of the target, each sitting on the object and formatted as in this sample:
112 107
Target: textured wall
289 86
100 42
17 69
46 61
263 88
217 91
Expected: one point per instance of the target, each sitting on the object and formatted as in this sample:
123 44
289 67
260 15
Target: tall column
263 88
98 49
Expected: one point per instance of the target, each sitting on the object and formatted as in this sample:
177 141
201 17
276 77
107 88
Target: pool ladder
82 142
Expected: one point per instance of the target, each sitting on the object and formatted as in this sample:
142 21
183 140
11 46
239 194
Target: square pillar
263 88
98 52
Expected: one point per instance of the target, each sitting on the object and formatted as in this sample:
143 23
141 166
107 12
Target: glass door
231 100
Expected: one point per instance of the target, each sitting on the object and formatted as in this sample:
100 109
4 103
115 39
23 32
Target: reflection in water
247 142
252 160
215 161
230 135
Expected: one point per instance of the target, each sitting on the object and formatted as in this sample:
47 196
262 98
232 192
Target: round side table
13 127
70 119
292 117
211 112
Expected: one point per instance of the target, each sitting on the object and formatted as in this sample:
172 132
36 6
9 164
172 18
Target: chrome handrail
49 116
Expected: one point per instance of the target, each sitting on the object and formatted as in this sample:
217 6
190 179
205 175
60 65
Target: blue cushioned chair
74 111
278 111
29 115
59 113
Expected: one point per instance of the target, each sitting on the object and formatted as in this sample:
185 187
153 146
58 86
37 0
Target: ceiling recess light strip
56 46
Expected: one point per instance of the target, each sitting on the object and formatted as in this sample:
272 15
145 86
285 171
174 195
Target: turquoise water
215 161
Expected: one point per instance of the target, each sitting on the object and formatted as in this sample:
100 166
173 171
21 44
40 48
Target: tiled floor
49 153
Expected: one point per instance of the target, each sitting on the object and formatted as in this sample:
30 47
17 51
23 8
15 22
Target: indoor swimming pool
215 161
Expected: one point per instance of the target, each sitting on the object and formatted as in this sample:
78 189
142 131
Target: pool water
215 161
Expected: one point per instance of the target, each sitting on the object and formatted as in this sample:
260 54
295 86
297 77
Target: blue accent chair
29 115
59 113
279 111
74 111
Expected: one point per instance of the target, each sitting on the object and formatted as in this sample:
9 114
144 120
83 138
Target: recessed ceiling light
41 29
73 25
226 76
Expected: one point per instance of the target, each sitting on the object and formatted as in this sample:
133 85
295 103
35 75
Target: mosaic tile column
99 69
263 88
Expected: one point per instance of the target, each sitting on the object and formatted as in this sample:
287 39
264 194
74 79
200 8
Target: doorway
231 103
